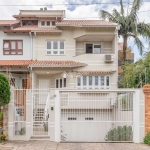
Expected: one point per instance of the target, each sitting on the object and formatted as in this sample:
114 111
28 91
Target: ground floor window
60 83
93 82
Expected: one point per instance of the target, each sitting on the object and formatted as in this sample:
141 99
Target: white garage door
96 117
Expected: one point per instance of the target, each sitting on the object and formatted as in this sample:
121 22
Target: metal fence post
136 116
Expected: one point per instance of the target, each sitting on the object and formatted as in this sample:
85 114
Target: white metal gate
40 111
97 116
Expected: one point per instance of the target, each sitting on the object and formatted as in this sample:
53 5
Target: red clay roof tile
57 63
86 72
37 63
15 62
33 28
85 23
8 22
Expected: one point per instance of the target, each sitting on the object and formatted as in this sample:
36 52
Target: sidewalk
47 145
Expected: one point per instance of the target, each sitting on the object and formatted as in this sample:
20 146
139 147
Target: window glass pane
13 53
90 80
64 82
48 23
48 52
102 80
55 44
107 80
19 45
53 23
48 44
96 80
43 23
6 45
97 49
13 45
57 83
89 48
29 22
84 80
78 81
55 52
24 23
6 53
19 53
61 44
35 22
61 52
60 83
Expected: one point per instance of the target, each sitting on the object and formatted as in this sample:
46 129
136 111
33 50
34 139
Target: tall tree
129 25
4 90
136 74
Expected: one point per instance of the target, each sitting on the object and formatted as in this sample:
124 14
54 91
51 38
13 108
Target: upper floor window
93 82
53 23
47 23
12 47
29 22
93 48
55 48
43 23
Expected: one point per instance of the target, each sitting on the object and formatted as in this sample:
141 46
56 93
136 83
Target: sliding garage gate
96 117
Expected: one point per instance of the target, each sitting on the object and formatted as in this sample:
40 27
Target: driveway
46 145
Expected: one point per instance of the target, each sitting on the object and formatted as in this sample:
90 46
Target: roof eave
56 66
87 25
47 31
13 31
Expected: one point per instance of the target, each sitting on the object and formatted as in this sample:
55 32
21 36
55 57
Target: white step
47 138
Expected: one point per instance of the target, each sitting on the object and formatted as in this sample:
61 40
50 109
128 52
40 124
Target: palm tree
129 25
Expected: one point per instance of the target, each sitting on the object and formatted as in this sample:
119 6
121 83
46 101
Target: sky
77 11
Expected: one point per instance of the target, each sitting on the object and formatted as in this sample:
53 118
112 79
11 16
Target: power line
77 4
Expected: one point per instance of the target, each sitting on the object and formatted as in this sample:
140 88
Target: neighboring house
129 56
65 77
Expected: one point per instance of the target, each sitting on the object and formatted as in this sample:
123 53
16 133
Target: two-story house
48 45
41 50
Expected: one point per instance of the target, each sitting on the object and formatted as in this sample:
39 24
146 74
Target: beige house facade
86 50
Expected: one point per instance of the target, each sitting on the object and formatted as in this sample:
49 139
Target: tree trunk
125 38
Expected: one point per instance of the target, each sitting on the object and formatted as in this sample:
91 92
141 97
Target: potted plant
2 137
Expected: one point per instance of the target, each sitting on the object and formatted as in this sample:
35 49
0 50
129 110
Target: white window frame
52 47
59 83
92 47
45 24
93 86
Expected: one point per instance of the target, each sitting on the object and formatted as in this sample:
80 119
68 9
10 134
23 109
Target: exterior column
29 114
51 118
57 116
11 118
146 90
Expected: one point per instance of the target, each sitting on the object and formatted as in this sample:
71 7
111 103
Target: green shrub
1 116
147 138
4 90
120 134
